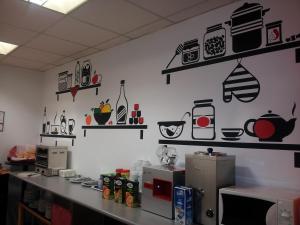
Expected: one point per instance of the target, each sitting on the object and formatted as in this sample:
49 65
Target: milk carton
183 203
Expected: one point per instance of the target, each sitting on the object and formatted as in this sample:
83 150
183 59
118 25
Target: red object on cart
60 215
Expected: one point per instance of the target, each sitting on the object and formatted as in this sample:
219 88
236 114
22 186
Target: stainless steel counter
92 199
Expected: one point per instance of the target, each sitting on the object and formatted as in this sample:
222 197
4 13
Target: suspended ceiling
47 39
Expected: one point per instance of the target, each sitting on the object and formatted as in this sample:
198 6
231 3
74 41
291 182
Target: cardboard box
183 203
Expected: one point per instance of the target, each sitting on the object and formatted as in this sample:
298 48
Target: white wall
20 98
140 62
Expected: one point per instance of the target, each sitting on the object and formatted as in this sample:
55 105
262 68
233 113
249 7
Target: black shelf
140 127
80 88
232 57
58 136
270 146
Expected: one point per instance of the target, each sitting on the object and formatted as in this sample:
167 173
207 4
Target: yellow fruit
106 108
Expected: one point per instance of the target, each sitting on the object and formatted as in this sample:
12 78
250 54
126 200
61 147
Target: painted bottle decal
203 120
44 121
122 105
86 73
77 74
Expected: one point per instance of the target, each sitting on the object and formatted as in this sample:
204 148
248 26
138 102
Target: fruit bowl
171 129
102 118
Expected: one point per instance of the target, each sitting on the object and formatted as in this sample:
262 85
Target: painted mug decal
242 84
232 134
270 127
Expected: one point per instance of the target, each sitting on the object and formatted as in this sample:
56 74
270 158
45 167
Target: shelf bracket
84 133
141 134
55 142
96 91
297 55
168 79
57 97
72 142
41 139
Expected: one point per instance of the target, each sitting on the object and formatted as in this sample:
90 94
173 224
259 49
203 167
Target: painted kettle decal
270 127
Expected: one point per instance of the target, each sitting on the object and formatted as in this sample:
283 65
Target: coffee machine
158 184
206 173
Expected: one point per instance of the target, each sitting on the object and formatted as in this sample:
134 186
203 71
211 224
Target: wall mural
247 27
242 84
101 114
122 105
2 116
83 79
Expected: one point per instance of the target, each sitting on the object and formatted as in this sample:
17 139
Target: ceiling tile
63 61
149 28
26 15
86 52
36 55
117 15
166 7
15 35
54 45
199 9
113 42
46 67
11 60
80 32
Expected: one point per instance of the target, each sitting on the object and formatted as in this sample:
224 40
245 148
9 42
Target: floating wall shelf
58 136
274 48
79 89
139 127
271 146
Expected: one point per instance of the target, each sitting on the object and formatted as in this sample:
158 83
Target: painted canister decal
203 120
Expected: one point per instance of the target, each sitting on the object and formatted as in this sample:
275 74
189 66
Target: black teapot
270 127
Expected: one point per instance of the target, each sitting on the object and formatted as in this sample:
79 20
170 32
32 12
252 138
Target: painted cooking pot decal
246 27
203 120
270 127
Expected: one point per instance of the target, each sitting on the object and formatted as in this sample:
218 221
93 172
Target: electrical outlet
297 159
298 55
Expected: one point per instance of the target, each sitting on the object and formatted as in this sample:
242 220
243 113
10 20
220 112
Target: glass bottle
122 105
44 121
77 74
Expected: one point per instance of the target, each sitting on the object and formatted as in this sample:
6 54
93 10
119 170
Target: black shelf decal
271 146
234 56
116 127
80 88
140 127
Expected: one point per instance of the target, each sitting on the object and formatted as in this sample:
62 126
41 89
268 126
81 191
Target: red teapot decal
270 127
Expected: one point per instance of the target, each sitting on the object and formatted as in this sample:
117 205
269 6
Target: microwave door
271 217
241 210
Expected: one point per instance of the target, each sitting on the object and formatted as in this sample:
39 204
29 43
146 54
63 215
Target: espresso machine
206 173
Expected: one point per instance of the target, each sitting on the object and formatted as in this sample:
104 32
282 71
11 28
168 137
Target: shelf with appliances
74 89
273 48
58 136
138 127
211 143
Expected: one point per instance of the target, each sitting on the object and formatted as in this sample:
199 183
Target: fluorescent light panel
62 6
6 48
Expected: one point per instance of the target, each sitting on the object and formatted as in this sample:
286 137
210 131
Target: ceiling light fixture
62 6
6 48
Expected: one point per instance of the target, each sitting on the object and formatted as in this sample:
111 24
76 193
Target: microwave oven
258 206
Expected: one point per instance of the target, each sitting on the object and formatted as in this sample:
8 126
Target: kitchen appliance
259 206
270 127
63 81
214 43
246 27
50 159
274 33
203 120
158 183
86 72
190 52
206 173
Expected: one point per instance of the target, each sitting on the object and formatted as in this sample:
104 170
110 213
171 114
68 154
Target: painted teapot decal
270 127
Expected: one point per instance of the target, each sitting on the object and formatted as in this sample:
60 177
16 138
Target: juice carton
120 189
132 194
183 203
108 186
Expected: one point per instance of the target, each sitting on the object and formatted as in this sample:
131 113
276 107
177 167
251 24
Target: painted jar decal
203 120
